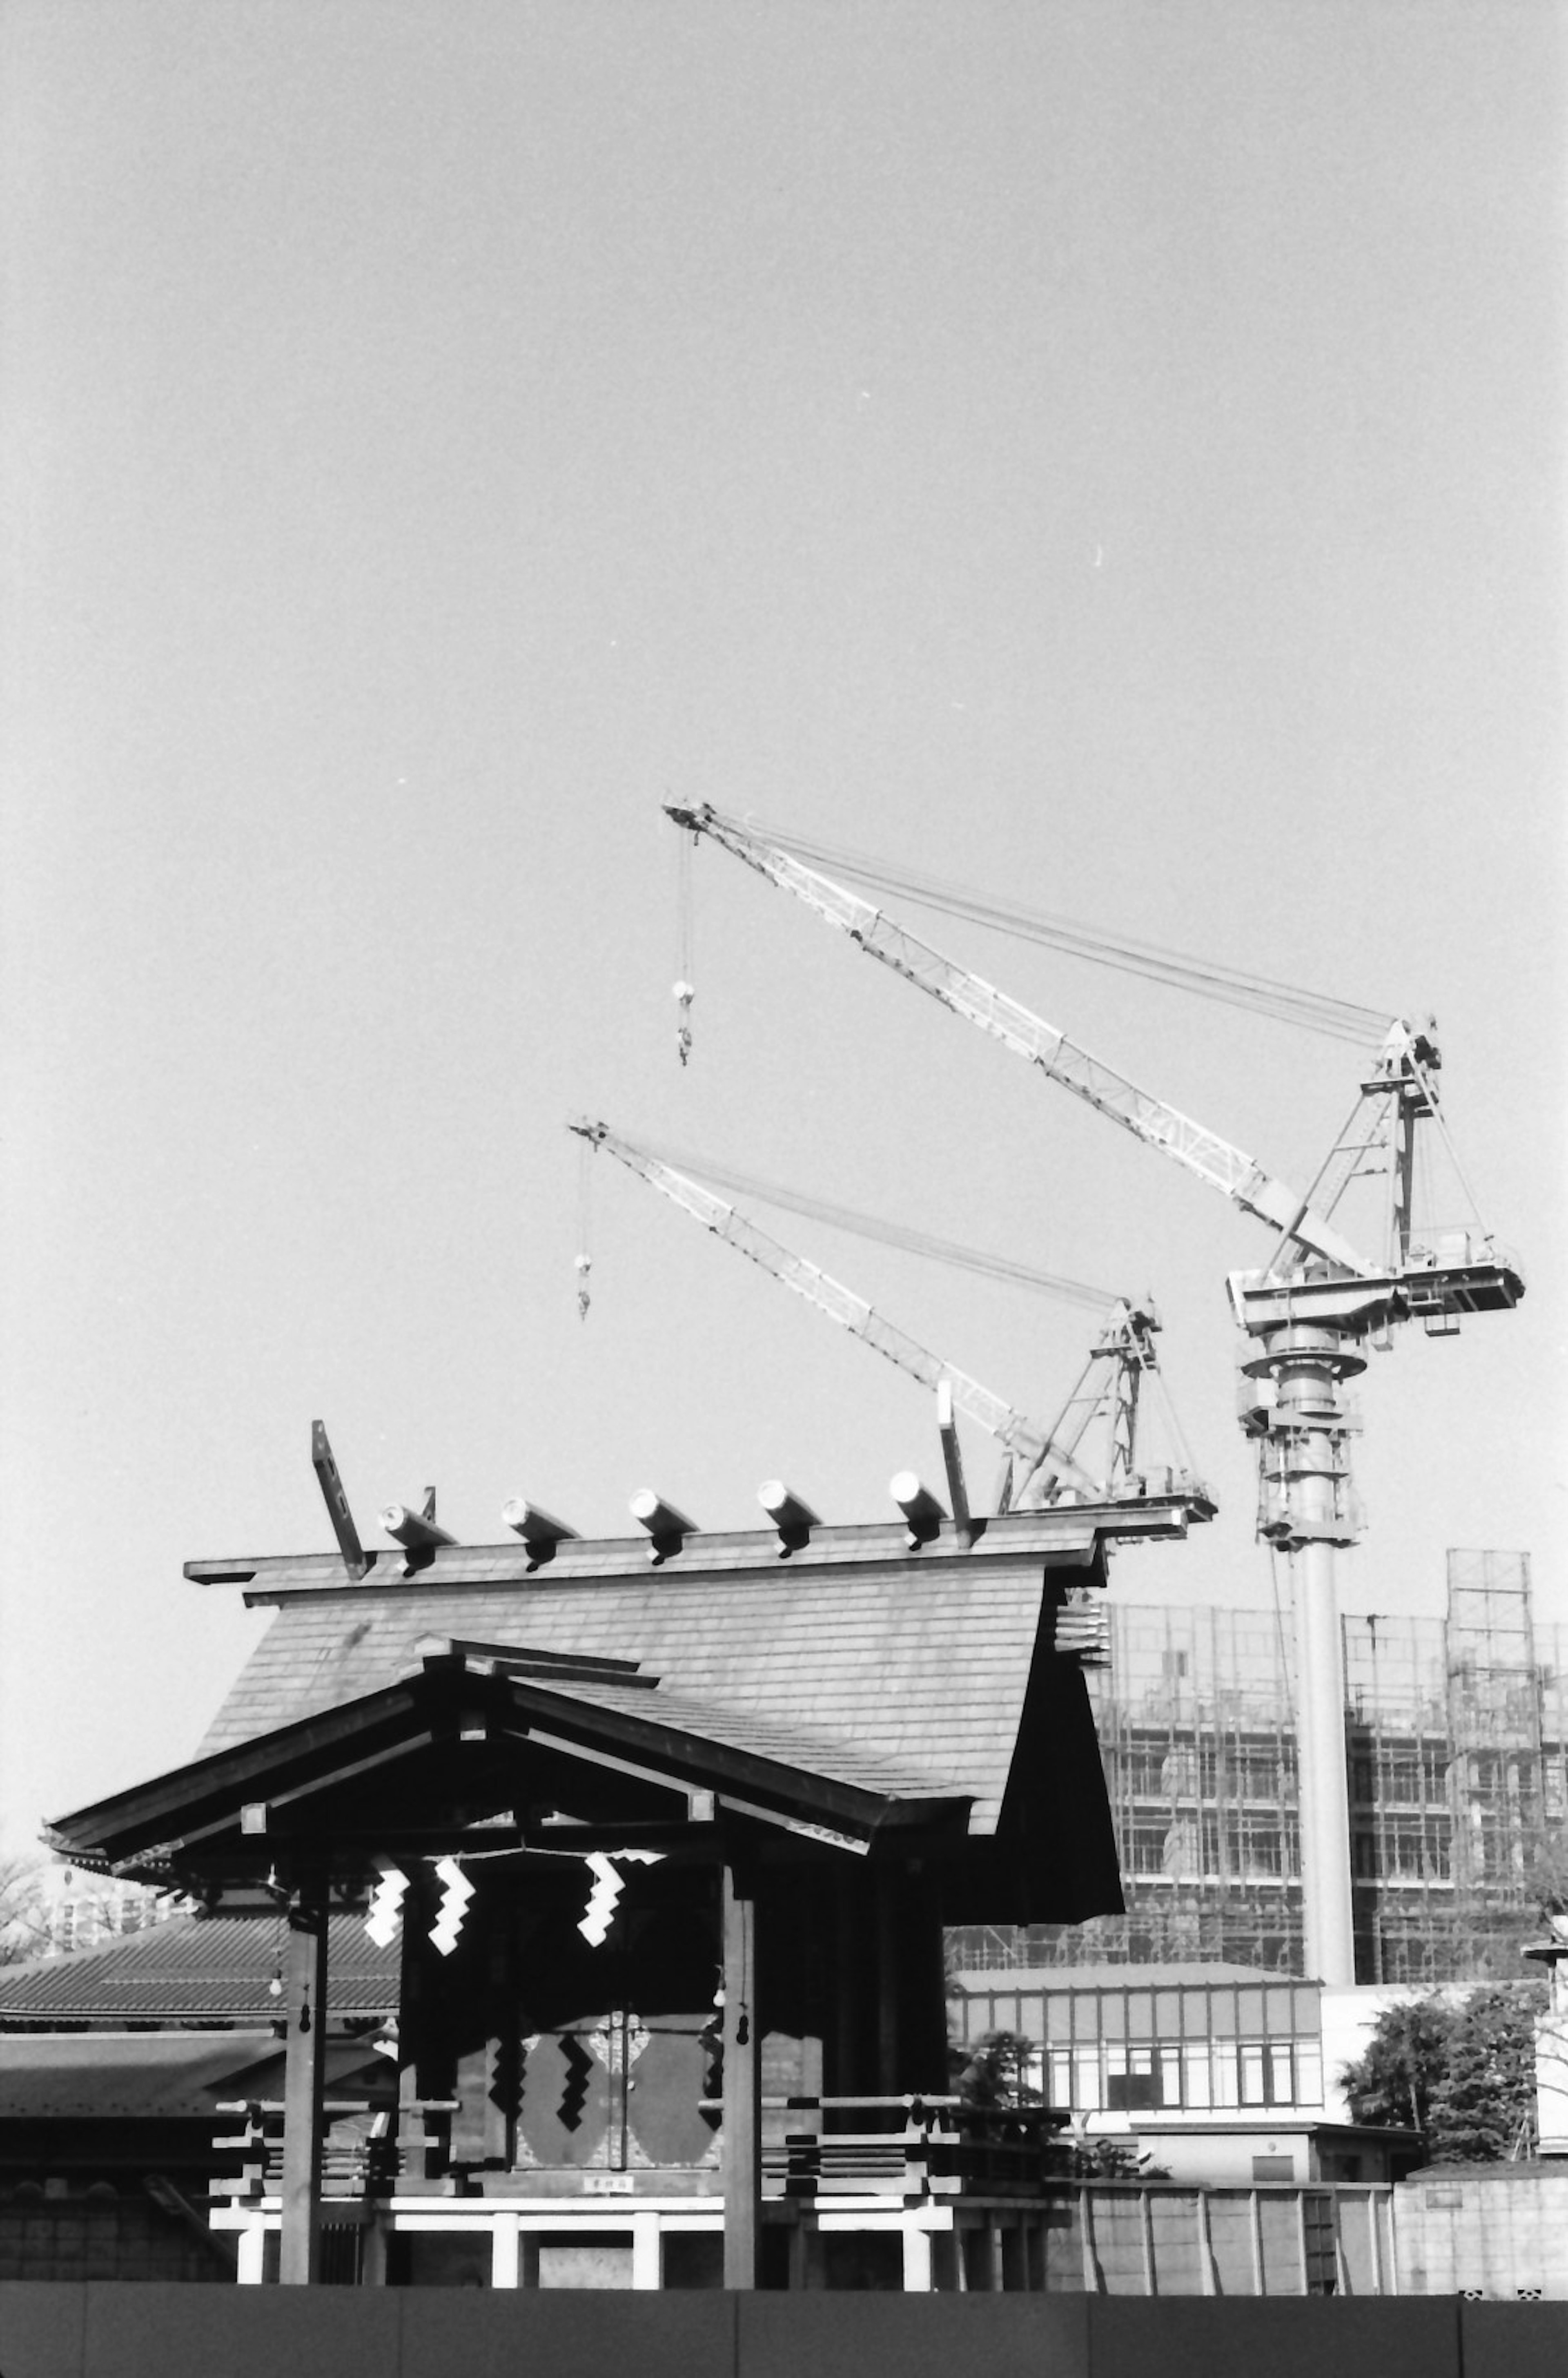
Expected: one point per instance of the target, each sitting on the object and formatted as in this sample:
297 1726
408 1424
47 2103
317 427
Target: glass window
1308 2077
1250 2014
1113 2014
1222 2072
1277 2014
1004 2014
1281 2086
1196 2080
1309 2017
1059 2090
1171 2076
1085 2015
1140 2015
1251 2073
1086 2092
1167 2014
1058 2015
1145 1849
1222 2013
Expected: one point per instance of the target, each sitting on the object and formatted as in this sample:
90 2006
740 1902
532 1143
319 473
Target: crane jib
1155 1121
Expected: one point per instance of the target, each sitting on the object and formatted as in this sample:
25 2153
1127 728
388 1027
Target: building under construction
1457 1745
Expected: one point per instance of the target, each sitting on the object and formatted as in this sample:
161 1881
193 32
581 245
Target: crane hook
684 995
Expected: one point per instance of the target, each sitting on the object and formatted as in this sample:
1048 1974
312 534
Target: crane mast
1307 1315
1043 1463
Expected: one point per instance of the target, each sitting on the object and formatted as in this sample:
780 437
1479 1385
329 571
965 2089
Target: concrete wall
1500 2229
89 2237
72 2331
1172 2242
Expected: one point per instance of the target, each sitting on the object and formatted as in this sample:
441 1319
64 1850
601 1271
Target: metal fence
1274 2239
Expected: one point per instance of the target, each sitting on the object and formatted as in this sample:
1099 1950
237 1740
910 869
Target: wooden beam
246 1771
337 1502
304 1986
1065 1531
741 2148
953 1462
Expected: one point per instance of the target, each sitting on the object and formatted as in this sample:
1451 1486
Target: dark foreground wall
72 2330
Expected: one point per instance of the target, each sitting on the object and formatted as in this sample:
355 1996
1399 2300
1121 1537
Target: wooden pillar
647 2252
505 2258
742 2139
304 1986
889 1980
918 2279
844 2074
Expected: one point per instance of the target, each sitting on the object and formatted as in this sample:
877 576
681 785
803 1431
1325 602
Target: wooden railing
368 2164
907 2147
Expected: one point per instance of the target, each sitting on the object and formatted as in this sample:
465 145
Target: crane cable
685 935
1340 1019
891 1235
583 1264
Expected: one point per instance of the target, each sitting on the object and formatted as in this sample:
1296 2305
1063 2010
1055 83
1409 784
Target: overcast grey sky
1110 454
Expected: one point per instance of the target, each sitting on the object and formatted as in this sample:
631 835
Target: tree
1460 2072
996 2076
24 1926
1483 2102
997 2071
1391 2082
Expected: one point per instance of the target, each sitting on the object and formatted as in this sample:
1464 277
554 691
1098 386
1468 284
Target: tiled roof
194 1969
107 2073
920 1673
95 2075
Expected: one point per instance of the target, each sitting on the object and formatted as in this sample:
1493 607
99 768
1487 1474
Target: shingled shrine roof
916 1662
847 1685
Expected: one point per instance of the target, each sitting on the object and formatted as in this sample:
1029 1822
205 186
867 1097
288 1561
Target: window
1131 2092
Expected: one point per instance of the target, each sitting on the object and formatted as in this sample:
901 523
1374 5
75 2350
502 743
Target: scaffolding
1457 1745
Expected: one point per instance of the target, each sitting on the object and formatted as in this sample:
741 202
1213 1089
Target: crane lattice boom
1203 1152
1031 1445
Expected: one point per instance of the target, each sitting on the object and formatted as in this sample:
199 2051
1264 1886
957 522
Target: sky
1104 454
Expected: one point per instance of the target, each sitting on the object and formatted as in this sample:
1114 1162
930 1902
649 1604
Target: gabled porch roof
466 1748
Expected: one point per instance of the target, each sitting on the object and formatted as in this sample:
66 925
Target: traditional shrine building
672 1828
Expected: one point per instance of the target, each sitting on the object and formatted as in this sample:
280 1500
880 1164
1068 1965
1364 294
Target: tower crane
1308 1314
1043 1465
